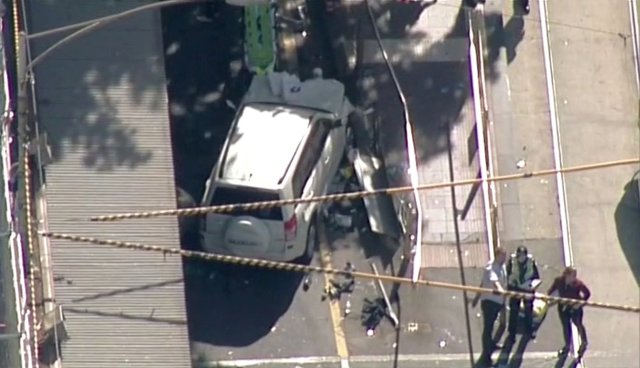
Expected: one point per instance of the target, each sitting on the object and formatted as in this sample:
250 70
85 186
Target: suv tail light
291 228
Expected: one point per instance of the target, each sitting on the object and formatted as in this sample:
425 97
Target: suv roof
263 143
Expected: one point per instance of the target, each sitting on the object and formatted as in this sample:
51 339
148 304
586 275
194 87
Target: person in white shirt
494 277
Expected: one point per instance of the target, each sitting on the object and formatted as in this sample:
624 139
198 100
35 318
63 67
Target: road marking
557 154
462 357
633 18
334 304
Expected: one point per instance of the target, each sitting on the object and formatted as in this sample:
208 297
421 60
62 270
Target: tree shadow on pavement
90 91
627 218
436 99
202 45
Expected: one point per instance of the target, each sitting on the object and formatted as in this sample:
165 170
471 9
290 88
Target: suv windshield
224 195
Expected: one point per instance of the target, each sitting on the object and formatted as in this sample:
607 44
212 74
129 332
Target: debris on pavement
372 313
345 284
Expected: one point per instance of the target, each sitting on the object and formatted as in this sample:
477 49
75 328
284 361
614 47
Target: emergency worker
522 276
494 277
569 286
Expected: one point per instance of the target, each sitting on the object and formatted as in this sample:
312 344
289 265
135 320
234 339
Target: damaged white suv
286 141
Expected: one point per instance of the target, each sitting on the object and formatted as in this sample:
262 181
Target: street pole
22 116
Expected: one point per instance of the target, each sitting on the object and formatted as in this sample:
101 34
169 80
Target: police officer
522 276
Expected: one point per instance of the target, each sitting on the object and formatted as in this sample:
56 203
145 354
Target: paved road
239 314
235 314
597 98
597 101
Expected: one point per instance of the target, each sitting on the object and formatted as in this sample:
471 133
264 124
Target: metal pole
22 116
392 313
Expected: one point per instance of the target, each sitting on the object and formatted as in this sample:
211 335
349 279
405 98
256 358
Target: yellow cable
355 195
294 267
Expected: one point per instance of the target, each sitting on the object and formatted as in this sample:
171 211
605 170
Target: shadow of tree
94 91
435 78
199 86
627 218
227 305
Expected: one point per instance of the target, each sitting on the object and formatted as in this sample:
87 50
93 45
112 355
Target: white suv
286 141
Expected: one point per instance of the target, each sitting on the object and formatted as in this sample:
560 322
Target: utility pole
30 338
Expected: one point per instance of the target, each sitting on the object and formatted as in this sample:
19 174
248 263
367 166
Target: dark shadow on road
627 217
80 87
517 357
561 361
235 306
436 99
203 55
502 36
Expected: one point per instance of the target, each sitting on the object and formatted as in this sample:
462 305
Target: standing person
523 276
494 277
525 6
568 285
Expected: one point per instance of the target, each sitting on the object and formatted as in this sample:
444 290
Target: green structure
260 47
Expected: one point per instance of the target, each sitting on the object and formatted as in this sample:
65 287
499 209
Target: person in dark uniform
525 6
522 276
568 285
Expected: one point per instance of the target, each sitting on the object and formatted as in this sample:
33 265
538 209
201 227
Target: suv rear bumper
209 243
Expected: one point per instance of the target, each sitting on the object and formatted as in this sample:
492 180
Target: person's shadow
516 357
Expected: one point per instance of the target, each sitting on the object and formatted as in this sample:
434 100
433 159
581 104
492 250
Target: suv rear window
224 195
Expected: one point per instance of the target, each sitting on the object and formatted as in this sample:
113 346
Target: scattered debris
306 283
521 163
338 287
347 308
372 314
442 344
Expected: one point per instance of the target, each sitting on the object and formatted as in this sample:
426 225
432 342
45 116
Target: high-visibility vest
514 277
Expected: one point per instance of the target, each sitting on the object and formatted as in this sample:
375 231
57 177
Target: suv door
308 177
333 151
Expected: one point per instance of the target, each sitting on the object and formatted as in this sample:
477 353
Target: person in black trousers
523 277
568 285
494 277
